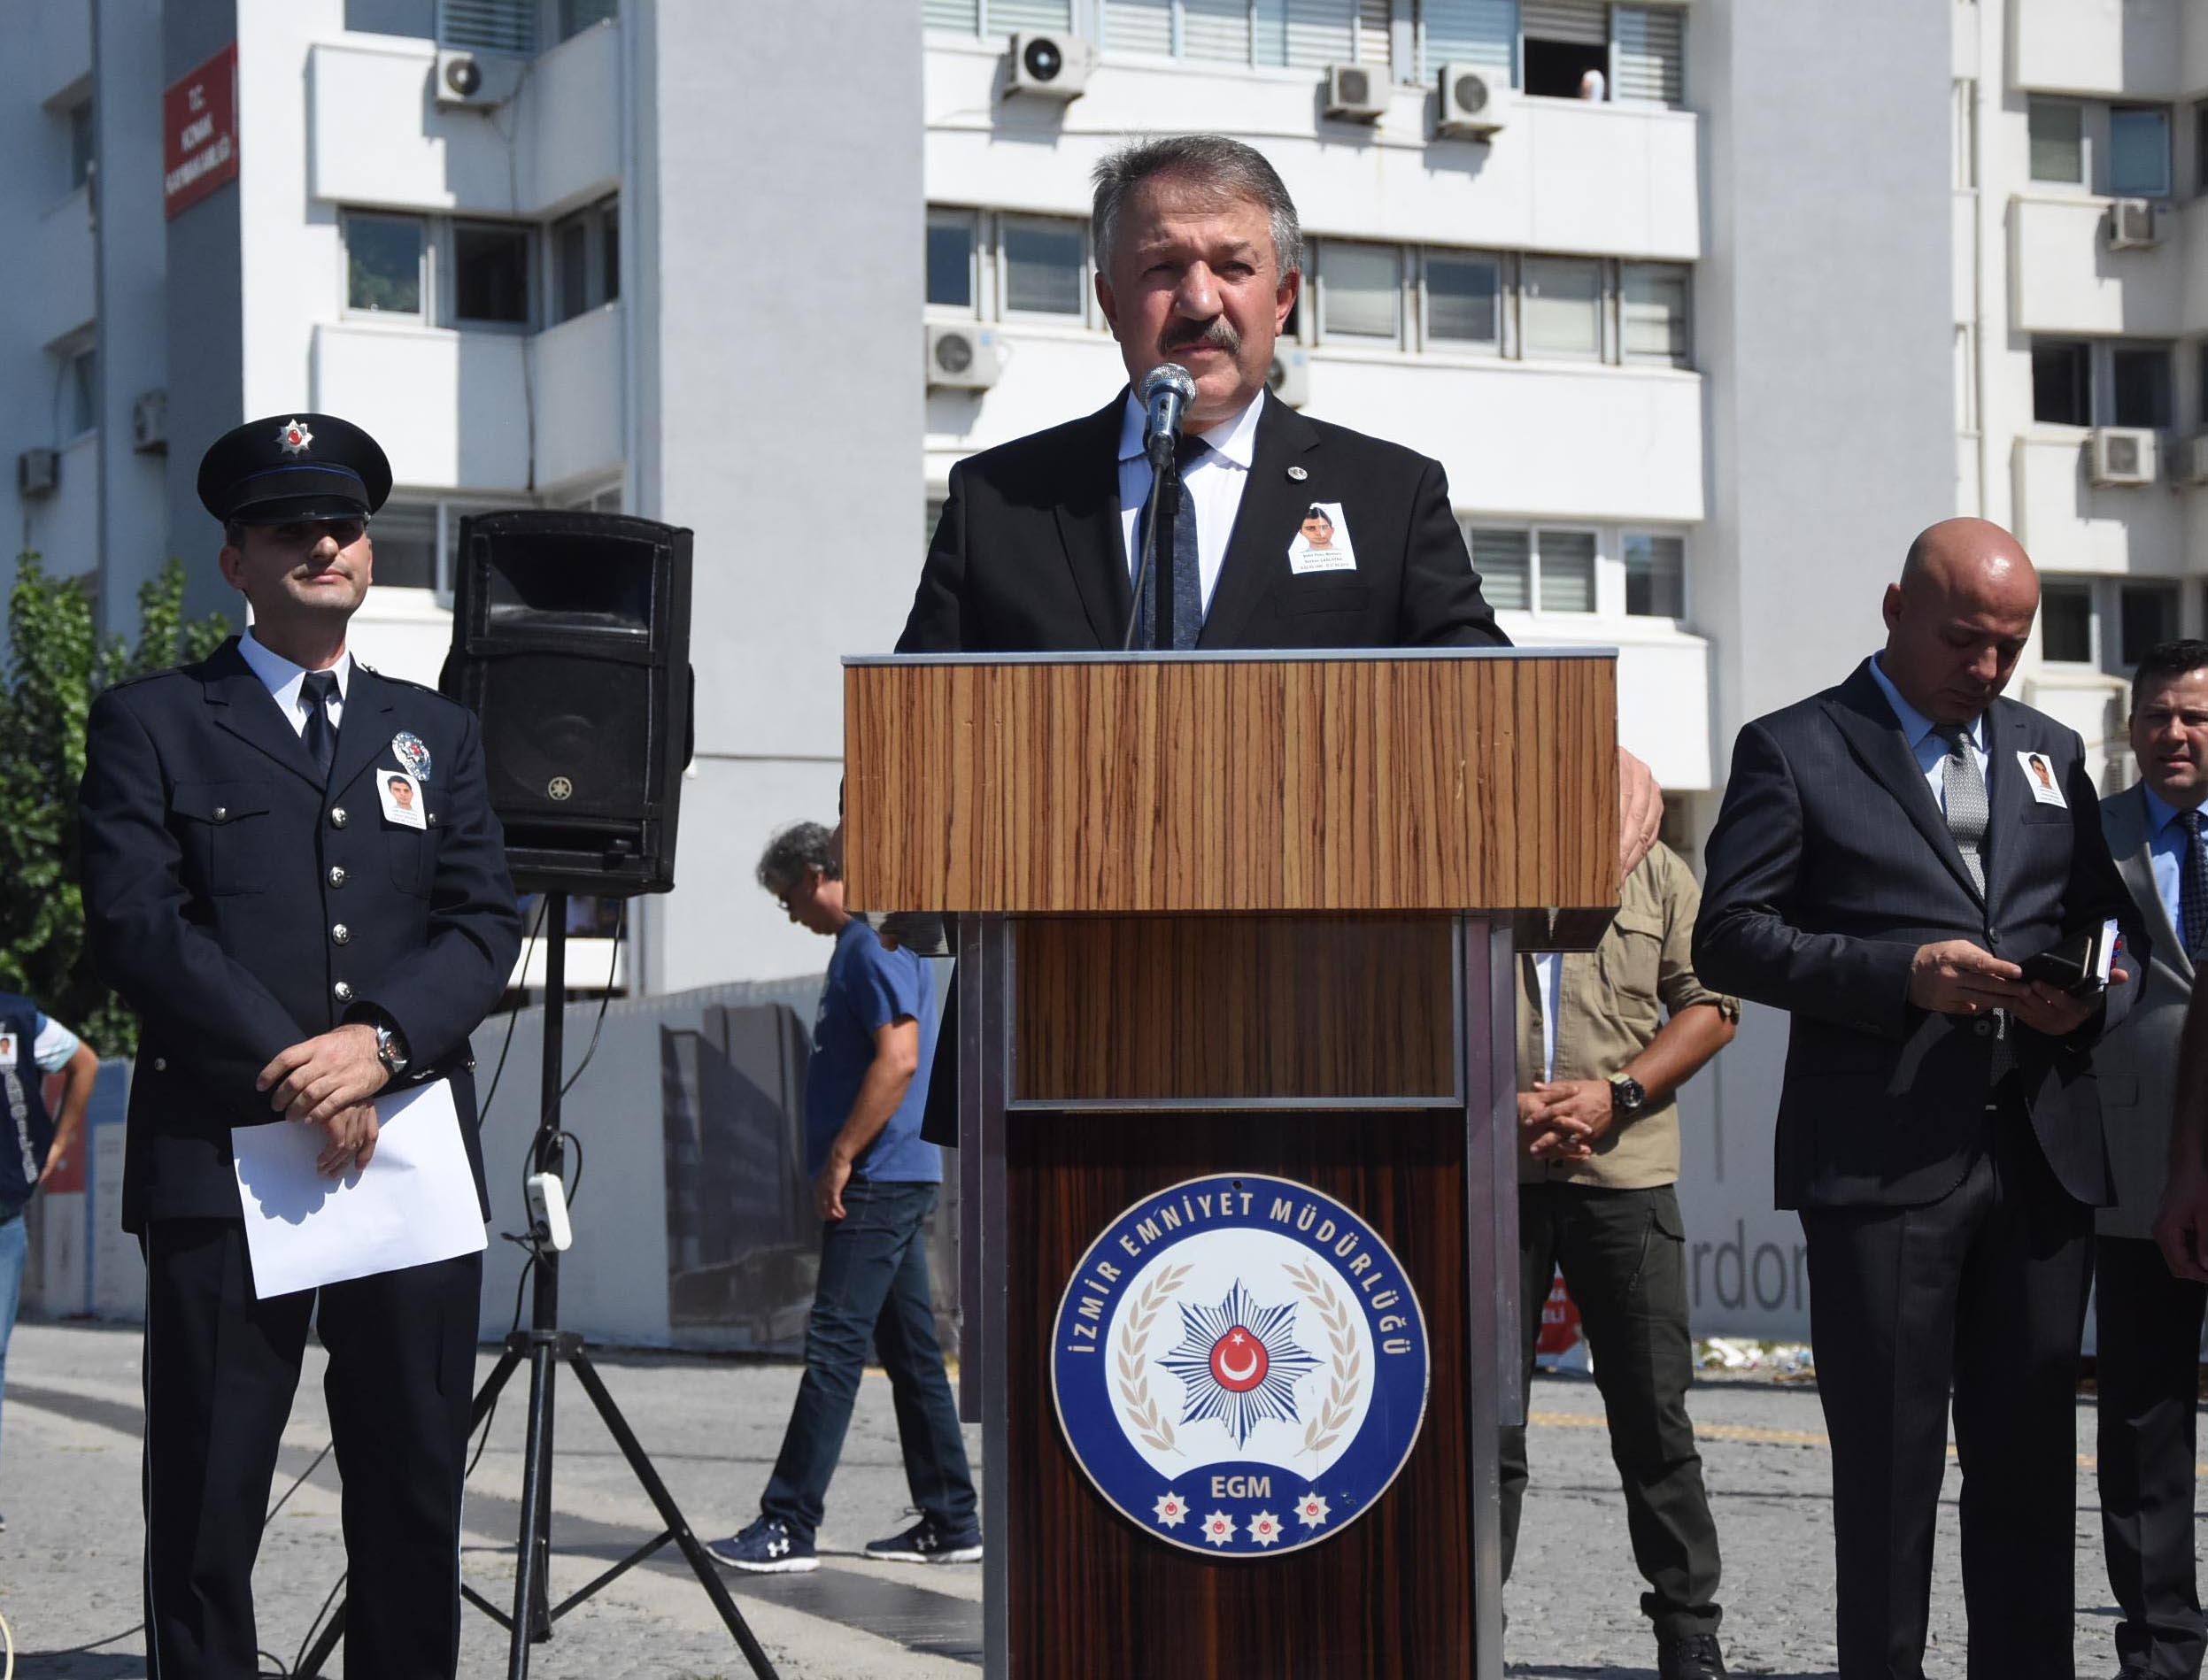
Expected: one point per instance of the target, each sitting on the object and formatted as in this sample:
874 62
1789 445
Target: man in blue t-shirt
32 1140
875 1182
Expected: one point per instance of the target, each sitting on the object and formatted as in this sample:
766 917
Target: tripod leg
708 1574
530 1563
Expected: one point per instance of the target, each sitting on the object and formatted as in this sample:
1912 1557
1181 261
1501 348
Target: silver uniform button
222 813
341 992
433 819
337 816
336 875
160 1064
342 934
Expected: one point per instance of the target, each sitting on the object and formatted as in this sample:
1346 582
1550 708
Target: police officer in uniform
294 944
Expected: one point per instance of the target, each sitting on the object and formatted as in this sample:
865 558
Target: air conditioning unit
149 423
1356 92
1473 98
1051 66
2121 456
1291 377
37 471
480 79
2196 459
2131 224
962 358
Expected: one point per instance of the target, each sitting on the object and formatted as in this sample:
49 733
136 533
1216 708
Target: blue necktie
1176 571
2192 887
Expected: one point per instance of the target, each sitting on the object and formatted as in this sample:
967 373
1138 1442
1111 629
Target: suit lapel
1874 734
2007 799
1267 520
242 704
366 729
2132 843
1088 526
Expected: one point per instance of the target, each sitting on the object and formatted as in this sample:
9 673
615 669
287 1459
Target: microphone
1167 391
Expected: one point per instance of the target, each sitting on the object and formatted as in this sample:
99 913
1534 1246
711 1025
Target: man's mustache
1217 333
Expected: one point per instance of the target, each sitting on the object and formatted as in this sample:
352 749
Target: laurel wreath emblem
1143 1415
1332 1417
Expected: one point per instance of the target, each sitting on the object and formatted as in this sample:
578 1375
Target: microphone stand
1165 488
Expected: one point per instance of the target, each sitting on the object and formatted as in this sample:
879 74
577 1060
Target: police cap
294 466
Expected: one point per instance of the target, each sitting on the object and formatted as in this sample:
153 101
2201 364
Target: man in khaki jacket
1598 1065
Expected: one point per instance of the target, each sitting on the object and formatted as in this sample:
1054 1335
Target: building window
1656 575
83 145
2062 382
1464 301
1566 562
1649 54
1043 267
2066 623
1561 306
2140 385
1652 306
1476 32
488 25
406 546
2056 128
2146 616
1564 41
1504 560
1006 16
491 274
1216 31
959 17
84 390
2138 153
575 16
951 251
384 256
1360 291
586 259
2200 149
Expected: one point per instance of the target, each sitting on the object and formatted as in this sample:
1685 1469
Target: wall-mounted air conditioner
480 79
2121 456
1051 66
1473 101
2133 224
961 358
1356 92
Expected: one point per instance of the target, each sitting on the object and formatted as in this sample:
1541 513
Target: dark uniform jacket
1830 863
239 906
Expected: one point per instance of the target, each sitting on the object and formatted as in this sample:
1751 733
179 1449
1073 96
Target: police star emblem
293 437
411 751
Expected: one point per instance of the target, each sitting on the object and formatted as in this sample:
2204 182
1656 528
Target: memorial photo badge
1239 1366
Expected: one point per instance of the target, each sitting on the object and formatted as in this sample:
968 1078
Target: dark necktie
1170 614
316 691
2192 887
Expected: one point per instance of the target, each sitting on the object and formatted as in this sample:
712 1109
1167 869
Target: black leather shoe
1689 1656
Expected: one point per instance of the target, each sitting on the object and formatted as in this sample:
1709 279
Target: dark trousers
1622 1252
1980 1294
2147 1341
221 1370
873 1282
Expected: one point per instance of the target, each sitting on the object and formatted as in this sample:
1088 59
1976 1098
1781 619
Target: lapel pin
1298 474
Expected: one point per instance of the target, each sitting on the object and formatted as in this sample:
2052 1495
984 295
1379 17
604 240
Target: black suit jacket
1028 557
1830 865
217 871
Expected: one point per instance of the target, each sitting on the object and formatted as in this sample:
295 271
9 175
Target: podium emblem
1245 1351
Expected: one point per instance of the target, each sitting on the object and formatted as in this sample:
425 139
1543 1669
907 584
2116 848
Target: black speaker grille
567 737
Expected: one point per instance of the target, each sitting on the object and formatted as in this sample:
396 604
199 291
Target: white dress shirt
284 678
1213 483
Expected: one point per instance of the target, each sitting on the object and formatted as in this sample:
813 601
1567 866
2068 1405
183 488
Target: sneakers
927 1542
1689 1656
767 1548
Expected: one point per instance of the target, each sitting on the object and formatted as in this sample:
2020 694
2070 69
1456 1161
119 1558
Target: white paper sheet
414 1203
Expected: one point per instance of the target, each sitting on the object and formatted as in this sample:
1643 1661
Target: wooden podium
1235 913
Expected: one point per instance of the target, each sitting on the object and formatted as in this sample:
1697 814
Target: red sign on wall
199 132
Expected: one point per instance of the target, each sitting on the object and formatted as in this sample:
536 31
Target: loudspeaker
571 643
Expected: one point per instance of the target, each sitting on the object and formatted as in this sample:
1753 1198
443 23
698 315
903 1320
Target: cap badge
410 750
294 438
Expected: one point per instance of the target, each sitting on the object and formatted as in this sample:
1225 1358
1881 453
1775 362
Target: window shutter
1217 31
1502 558
1010 17
1374 17
1584 22
1651 58
488 25
1138 26
1481 32
1319 33
1567 572
960 17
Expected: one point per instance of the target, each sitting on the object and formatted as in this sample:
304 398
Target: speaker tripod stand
546 1347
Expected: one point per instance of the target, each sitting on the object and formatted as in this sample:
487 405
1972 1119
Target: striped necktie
1170 614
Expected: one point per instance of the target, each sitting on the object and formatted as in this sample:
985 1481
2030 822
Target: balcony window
488 25
404 540
1478 32
951 251
1652 308
1567 571
383 256
491 274
1043 267
1216 31
1656 575
2066 623
84 390
575 16
1650 54
1464 301
2146 616
2056 128
2139 152
1561 306
82 144
1007 16
1566 40
959 17
2140 383
2062 382
586 260
1504 560
1360 291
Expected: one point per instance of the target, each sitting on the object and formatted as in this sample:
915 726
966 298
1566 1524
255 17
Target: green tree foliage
56 663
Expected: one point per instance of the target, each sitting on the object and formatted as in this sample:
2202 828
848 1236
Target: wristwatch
1628 1096
391 1049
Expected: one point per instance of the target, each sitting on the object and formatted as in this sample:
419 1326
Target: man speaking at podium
1198 262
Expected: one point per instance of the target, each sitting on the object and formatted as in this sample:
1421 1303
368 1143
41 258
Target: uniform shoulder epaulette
404 683
145 677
